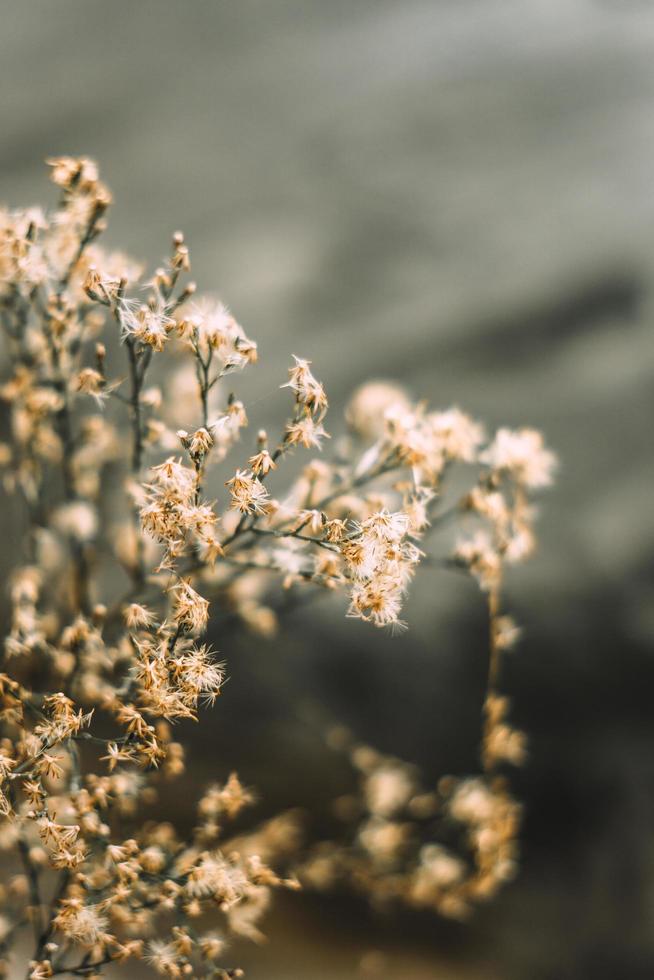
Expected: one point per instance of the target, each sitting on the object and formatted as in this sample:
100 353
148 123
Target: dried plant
125 556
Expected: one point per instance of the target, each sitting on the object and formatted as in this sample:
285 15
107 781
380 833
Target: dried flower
86 665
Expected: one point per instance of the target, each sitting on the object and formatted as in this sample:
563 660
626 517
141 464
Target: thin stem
44 938
138 364
87 237
295 534
32 873
355 482
137 374
494 659
80 564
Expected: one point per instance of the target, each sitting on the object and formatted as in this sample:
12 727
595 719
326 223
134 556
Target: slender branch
44 938
32 873
137 375
295 534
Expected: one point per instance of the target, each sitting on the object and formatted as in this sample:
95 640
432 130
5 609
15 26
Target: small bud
187 292
99 614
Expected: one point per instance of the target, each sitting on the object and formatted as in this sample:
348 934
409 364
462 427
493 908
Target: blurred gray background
456 194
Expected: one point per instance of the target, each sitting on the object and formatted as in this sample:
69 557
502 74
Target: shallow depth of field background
459 196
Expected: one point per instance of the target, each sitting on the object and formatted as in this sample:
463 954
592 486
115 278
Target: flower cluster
135 542
446 848
380 561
